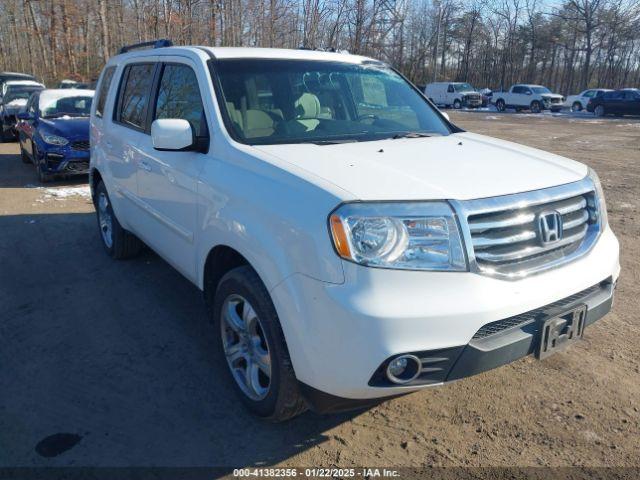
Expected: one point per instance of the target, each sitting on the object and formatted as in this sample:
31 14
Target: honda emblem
549 227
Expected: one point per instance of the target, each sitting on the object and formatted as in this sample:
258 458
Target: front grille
527 317
82 145
505 231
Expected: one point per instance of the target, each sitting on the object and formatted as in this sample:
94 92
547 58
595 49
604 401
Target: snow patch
62 193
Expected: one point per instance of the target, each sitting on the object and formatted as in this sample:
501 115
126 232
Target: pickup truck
528 97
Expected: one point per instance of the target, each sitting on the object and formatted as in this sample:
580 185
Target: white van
453 94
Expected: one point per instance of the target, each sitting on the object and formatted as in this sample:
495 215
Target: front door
167 180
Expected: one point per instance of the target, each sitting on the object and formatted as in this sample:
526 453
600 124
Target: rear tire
249 332
117 242
500 105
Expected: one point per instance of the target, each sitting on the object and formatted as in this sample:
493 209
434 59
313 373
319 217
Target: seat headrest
307 106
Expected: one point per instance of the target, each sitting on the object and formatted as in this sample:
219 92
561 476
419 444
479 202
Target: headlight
405 236
55 140
602 204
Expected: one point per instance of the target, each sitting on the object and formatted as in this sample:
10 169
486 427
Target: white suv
351 243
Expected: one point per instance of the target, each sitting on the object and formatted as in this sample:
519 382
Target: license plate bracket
560 331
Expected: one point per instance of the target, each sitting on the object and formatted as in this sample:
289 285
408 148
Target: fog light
403 369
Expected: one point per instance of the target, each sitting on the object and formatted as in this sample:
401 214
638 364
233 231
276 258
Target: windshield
268 101
462 87
73 105
540 90
15 93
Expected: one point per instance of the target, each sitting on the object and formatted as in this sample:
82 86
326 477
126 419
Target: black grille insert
527 317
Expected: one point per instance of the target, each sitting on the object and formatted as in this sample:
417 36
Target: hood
17 103
461 166
71 128
551 95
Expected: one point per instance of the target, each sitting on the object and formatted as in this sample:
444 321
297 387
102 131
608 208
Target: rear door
613 102
167 180
631 103
127 138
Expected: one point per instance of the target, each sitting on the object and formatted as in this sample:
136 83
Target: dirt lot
119 353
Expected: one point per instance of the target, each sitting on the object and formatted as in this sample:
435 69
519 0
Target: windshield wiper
332 142
411 135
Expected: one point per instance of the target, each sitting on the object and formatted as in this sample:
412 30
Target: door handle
144 166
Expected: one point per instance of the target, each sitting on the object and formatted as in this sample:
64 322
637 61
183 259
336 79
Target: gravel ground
118 354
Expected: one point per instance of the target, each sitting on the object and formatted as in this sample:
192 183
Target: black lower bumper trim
482 354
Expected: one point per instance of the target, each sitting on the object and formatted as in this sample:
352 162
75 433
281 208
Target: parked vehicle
15 94
528 97
8 76
618 102
54 132
486 94
453 94
577 103
72 84
351 243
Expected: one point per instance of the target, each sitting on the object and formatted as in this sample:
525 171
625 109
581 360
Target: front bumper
340 335
65 161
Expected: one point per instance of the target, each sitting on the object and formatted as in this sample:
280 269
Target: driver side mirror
173 134
529 92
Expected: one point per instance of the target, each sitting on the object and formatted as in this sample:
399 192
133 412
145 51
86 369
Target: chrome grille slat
518 253
495 240
503 233
571 221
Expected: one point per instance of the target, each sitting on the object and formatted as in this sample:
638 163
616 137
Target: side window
450 89
630 95
33 102
179 97
518 89
136 89
105 83
589 93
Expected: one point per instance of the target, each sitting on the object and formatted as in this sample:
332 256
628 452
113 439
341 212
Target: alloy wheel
245 347
105 220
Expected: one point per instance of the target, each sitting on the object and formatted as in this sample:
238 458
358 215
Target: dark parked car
13 97
618 102
7 76
54 132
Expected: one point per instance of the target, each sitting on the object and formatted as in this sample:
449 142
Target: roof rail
152 44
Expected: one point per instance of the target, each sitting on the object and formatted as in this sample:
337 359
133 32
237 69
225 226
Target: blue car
54 132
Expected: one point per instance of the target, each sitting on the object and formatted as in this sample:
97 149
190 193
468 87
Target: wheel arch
220 260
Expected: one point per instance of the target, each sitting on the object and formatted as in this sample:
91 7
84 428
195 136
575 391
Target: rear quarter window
105 83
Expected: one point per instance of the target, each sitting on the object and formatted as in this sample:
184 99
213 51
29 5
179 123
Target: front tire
500 105
117 242
23 155
253 346
599 111
457 104
535 107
